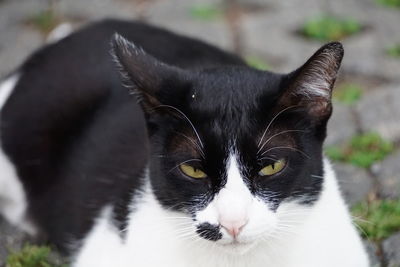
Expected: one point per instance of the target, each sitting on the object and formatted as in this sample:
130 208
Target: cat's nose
233 227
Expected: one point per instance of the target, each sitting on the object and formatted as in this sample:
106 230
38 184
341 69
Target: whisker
159 156
286 147
270 158
360 219
361 230
193 143
269 139
317 176
273 119
183 114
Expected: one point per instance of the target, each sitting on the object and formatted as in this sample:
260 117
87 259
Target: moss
45 21
348 93
29 256
379 219
393 51
362 150
257 63
330 28
389 3
205 12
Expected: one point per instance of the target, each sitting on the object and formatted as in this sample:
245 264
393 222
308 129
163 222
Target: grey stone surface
175 15
16 44
341 126
388 173
371 250
11 239
354 182
17 40
391 248
12 12
379 111
364 52
96 9
264 32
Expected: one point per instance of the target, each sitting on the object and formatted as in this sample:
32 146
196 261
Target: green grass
330 28
205 12
379 219
45 20
393 51
257 63
348 93
362 150
31 256
389 3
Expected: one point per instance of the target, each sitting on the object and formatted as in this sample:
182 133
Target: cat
124 144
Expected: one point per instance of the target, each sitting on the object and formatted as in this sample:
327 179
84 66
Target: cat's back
68 123
65 88
65 85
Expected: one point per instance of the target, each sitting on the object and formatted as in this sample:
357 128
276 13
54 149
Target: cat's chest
159 237
155 237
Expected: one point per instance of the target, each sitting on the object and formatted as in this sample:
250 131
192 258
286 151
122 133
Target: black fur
80 142
209 231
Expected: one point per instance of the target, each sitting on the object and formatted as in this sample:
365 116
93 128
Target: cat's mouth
238 247
236 243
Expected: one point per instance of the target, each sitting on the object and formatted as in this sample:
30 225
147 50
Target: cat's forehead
235 82
230 113
232 98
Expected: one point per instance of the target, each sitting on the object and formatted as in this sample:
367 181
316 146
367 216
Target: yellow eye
192 171
273 168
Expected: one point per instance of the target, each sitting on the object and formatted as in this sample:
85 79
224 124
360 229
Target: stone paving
265 29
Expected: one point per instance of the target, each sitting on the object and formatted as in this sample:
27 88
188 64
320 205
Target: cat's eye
192 172
273 168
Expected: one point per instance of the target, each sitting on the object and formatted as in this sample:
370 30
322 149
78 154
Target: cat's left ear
310 86
152 81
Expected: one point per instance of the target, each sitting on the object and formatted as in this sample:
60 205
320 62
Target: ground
269 35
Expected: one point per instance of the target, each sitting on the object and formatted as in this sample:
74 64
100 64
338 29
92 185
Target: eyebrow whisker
269 139
187 119
286 147
195 144
273 119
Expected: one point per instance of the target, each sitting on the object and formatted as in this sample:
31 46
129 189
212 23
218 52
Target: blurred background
364 132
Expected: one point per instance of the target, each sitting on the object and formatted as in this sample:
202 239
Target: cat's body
77 167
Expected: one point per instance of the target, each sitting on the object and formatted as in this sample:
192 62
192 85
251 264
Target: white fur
103 245
302 236
12 196
235 205
6 88
59 32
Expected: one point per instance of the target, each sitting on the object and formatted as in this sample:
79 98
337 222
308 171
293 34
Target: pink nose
233 227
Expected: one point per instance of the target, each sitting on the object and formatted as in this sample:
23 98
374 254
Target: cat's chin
237 248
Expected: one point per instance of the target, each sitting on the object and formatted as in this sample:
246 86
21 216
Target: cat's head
236 150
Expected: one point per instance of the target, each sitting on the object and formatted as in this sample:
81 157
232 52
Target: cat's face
235 149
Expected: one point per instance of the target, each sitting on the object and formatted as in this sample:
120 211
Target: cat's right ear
153 82
311 85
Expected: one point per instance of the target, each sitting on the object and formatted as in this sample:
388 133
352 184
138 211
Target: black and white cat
219 165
